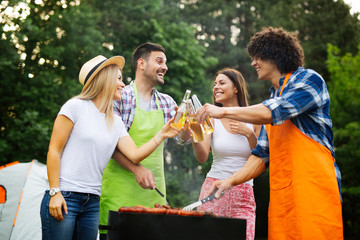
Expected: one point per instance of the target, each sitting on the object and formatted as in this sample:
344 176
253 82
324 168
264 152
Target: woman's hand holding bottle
167 131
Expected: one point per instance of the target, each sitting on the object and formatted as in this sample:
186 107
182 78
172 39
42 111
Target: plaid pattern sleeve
125 108
262 146
306 101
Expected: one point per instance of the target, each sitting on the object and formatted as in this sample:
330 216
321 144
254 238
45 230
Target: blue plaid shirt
126 107
306 101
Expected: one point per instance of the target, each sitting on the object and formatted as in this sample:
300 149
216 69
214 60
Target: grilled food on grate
164 209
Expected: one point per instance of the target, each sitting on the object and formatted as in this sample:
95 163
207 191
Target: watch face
53 191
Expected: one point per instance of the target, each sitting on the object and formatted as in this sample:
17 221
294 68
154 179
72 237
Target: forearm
53 169
124 162
146 149
144 176
253 167
256 114
201 150
253 136
252 139
137 154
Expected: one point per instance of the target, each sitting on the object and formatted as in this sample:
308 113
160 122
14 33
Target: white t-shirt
230 152
89 147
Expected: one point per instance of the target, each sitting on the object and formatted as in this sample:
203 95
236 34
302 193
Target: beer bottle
197 130
182 112
207 125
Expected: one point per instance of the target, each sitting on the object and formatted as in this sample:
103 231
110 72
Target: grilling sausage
164 209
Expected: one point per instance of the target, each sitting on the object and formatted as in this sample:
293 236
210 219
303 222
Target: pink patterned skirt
238 203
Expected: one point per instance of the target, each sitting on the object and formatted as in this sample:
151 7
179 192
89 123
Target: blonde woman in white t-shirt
230 144
85 135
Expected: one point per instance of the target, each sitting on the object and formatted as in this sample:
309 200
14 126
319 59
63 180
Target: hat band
93 70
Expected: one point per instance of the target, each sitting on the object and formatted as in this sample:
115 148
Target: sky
355 5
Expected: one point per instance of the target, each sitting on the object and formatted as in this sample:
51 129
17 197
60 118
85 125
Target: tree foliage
225 27
43 52
128 24
44 43
344 90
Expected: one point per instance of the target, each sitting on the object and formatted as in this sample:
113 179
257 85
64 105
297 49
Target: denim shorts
81 222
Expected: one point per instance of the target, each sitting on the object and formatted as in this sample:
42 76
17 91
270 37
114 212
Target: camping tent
22 186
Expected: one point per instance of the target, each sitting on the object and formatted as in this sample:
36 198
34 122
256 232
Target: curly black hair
279 46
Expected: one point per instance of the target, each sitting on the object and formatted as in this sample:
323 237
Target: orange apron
304 196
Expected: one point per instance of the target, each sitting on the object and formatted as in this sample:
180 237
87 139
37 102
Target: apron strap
285 81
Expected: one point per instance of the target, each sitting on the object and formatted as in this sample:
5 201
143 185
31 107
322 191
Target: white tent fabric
25 184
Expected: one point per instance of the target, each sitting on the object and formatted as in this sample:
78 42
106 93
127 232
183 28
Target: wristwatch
53 191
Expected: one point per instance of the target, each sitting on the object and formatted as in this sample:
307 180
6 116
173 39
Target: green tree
41 57
127 24
344 90
225 28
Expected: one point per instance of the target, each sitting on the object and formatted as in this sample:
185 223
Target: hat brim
117 60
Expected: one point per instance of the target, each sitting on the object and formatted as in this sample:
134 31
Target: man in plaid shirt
296 143
144 111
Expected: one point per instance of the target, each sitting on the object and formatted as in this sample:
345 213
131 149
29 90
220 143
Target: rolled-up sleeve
298 97
304 100
262 146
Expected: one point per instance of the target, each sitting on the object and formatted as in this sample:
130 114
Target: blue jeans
81 222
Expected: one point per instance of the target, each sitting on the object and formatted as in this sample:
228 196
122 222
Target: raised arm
256 114
127 146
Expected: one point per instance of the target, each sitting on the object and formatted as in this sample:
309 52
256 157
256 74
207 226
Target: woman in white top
230 144
84 137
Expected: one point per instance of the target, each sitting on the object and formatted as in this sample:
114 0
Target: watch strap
53 191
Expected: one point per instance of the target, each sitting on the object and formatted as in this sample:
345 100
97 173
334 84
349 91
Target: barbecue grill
128 225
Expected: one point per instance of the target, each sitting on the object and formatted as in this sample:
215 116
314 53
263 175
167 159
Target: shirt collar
273 91
154 91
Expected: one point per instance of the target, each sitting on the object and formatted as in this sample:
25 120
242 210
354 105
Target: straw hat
89 70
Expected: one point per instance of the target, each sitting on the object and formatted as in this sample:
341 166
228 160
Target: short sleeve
120 126
71 109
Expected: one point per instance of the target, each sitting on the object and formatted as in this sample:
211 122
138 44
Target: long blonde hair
103 85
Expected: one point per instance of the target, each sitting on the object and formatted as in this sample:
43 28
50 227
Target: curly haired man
296 141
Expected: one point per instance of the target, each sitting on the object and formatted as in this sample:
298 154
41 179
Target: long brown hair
239 82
